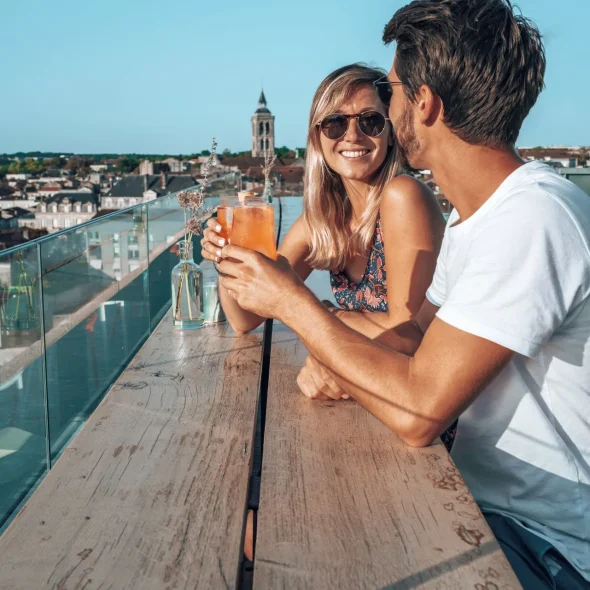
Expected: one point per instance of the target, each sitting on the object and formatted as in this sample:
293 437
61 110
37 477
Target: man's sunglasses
370 123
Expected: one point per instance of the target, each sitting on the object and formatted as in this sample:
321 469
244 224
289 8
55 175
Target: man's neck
472 174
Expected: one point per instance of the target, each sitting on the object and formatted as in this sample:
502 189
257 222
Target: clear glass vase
187 290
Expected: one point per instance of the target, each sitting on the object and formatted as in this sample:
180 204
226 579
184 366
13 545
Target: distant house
556 157
100 167
135 189
65 210
13 217
289 178
20 176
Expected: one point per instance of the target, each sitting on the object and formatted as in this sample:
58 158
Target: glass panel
165 228
96 302
22 408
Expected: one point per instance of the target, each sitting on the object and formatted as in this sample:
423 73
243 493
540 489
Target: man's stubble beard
407 141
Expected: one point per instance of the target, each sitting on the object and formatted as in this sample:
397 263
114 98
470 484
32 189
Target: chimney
163 180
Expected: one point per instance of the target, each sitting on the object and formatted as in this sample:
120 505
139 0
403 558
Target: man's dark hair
486 63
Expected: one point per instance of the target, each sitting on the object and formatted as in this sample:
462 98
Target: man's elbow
418 433
241 327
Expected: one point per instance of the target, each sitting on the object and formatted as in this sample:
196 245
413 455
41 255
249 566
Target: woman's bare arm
412 226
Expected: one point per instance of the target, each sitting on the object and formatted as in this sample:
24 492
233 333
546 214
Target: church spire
262 99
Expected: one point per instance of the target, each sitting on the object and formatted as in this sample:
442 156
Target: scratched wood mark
152 492
345 504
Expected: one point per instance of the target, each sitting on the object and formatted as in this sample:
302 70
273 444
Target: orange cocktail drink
254 228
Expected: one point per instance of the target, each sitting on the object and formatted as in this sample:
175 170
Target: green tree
127 164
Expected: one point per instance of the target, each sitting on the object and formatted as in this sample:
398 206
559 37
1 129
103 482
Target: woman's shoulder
406 201
405 187
406 194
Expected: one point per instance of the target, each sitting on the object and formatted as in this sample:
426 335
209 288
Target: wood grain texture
345 504
152 492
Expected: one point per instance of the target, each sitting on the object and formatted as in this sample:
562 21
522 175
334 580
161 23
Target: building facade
64 210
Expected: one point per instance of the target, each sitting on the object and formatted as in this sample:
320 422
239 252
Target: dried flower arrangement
192 201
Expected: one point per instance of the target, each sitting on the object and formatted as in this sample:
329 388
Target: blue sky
164 77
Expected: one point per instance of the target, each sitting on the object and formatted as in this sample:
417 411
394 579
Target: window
116 250
55 223
54 208
262 145
133 254
89 208
261 128
267 144
78 208
267 128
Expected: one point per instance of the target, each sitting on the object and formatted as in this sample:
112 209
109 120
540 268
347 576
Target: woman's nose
352 133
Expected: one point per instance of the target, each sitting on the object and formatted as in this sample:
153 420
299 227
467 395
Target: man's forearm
378 377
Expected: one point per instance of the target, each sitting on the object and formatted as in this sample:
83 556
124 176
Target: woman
359 211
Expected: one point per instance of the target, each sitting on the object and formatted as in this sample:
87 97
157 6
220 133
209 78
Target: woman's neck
357 192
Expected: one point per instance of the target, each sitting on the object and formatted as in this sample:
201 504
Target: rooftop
135 185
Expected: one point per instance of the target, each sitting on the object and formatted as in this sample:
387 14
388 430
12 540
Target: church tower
263 130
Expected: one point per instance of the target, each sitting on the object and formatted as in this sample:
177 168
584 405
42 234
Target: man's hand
316 382
260 285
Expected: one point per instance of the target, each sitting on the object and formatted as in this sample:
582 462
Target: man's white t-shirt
517 273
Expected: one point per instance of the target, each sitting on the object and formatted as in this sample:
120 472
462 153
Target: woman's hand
212 242
316 382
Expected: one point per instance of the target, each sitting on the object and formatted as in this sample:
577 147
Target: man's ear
429 106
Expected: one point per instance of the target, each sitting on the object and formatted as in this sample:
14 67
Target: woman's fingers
212 236
213 224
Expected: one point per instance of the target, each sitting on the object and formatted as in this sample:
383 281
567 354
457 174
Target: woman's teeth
355 154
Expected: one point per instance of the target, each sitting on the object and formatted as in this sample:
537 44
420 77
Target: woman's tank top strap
371 293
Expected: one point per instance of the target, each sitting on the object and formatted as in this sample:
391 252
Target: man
503 341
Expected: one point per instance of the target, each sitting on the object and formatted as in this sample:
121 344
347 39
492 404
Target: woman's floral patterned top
371 293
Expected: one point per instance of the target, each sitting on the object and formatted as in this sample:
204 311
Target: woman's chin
364 175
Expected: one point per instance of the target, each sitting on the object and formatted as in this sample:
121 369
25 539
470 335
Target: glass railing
74 309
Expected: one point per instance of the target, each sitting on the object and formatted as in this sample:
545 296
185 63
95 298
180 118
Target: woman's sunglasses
370 123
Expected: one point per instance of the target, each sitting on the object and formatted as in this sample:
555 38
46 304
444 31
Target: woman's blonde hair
326 207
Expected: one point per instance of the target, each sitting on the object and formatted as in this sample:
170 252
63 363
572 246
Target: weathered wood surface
152 492
345 504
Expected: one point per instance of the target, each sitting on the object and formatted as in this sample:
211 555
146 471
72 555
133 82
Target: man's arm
416 397
316 382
